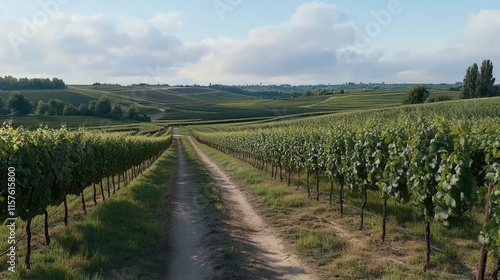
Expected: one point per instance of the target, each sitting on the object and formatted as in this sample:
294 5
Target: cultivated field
345 186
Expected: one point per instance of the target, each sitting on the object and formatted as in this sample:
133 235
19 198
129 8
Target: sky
243 42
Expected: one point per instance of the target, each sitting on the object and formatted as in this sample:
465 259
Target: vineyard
444 159
43 167
422 169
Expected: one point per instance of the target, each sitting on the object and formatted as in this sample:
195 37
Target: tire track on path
188 257
265 254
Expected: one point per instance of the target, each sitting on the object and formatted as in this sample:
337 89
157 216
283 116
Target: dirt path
264 253
188 257
319 103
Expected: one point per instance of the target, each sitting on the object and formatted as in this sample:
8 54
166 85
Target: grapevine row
441 167
51 164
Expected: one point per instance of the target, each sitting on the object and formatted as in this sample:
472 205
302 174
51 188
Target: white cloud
77 47
450 64
305 45
315 45
167 22
313 15
414 75
482 30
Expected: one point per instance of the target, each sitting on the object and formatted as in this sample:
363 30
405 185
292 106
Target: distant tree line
261 92
105 84
348 87
233 89
98 108
324 91
10 83
19 105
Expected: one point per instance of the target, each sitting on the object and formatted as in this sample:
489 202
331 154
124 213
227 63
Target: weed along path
188 258
264 254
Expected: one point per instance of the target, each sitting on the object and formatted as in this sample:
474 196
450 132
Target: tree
56 107
103 106
416 94
482 91
23 83
478 84
132 112
19 104
486 80
91 108
58 83
117 111
70 110
3 110
83 110
470 82
42 108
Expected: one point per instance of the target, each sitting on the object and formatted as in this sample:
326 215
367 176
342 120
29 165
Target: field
204 104
356 185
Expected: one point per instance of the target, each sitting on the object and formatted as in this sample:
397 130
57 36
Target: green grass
144 106
155 95
122 238
321 245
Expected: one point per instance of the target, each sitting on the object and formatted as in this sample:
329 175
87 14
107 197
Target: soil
261 253
188 258
266 255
